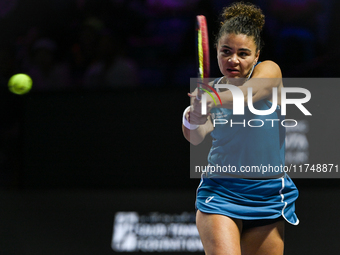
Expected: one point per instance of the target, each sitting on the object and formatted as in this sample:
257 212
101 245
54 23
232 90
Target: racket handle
199 92
198 96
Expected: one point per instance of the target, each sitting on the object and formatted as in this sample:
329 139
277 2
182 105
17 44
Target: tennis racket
202 52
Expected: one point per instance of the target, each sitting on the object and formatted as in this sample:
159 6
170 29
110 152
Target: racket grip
199 93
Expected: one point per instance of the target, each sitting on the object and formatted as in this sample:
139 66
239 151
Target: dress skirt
248 199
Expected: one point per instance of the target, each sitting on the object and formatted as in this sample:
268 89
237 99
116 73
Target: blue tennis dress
247 157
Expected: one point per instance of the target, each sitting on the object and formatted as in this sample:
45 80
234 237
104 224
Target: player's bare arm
266 76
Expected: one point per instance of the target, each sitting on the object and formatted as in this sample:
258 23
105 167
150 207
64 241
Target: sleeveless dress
243 147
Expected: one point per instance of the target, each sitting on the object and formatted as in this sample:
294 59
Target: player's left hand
195 115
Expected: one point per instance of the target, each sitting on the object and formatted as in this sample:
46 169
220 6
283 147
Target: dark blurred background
102 123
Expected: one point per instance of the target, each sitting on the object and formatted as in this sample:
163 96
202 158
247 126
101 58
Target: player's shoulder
269 69
268 63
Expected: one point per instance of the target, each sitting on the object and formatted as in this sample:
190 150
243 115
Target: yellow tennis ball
20 84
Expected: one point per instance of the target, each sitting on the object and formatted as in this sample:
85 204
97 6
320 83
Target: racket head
202 51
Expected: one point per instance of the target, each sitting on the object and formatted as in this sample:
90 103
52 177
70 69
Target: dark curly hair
242 18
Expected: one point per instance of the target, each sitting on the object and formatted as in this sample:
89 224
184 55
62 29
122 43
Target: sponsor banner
155 232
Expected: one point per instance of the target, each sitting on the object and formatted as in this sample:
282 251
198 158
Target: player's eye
243 54
226 51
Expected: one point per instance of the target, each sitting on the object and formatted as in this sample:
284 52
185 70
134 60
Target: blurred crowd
102 44
87 45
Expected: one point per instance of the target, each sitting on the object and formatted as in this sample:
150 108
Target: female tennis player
242 212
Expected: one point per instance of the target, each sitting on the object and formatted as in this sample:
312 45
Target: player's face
236 55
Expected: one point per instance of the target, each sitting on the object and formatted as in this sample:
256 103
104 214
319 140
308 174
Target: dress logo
209 199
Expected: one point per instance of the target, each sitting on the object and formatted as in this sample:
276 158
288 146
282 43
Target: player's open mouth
232 70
